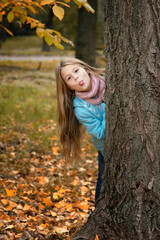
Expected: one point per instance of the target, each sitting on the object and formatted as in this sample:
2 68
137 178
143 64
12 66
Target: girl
80 90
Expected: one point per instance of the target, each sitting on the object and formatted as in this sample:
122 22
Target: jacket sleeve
93 123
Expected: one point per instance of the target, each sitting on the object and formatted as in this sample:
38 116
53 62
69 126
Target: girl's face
76 78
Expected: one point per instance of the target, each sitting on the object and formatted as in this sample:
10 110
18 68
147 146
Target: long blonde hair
69 125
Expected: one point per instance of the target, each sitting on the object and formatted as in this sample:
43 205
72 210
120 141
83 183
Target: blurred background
42 196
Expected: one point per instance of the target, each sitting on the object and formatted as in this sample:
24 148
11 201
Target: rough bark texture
86 34
129 204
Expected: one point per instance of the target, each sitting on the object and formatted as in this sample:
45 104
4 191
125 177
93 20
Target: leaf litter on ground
41 196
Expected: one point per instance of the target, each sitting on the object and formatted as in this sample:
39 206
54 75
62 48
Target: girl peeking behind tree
80 91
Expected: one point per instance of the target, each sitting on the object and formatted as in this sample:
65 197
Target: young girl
80 90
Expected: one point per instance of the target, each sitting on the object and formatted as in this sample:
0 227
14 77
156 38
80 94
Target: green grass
28 109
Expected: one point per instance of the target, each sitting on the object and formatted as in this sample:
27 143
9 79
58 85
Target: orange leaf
43 180
9 208
41 206
55 150
4 201
48 202
69 207
26 207
57 195
84 189
42 226
83 205
10 193
96 238
75 183
53 213
60 204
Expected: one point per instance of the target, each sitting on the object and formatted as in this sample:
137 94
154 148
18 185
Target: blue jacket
92 117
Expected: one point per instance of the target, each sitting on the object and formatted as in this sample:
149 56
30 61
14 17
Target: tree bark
86 34
129 204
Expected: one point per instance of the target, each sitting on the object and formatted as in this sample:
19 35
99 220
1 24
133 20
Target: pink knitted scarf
95 95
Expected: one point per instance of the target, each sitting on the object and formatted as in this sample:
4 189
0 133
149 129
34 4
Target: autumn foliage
41 197
20 10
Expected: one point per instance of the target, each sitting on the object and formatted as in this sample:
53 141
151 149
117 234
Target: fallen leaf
83 206
4 201
53 213
57 195
60 230
55 150
43 226
96 238
48 202
10 193
43 180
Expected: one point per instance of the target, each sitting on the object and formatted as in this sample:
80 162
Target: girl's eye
68 78
76 70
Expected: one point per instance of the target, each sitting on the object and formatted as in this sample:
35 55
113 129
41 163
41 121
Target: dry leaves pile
44 198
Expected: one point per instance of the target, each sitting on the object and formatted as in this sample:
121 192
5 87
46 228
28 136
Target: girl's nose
75 76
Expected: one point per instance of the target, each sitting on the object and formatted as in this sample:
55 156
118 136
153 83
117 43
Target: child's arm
93 123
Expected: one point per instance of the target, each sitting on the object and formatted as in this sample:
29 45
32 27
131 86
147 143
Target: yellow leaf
58 12
49 39
44 2
10 193
57 195
40 32
33 25
10 16
32 9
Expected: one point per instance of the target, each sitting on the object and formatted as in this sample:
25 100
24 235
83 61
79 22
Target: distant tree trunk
3 34
86 34
49 24
129 204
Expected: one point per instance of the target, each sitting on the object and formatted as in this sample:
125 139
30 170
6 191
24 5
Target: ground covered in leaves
41 196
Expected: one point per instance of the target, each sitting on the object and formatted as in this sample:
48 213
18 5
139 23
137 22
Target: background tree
48 24
20 9
86 34
129 204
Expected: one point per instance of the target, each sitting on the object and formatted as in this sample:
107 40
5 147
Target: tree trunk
129 204
86 34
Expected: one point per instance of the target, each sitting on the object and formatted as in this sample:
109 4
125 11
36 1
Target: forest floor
41 196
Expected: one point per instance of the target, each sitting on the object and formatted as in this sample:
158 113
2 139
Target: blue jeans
100 173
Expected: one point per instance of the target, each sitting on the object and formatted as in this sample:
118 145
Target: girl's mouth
81 83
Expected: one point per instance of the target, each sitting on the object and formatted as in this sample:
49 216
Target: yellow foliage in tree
21 8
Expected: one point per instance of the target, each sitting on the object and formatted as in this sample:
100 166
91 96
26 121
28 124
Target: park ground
41 195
